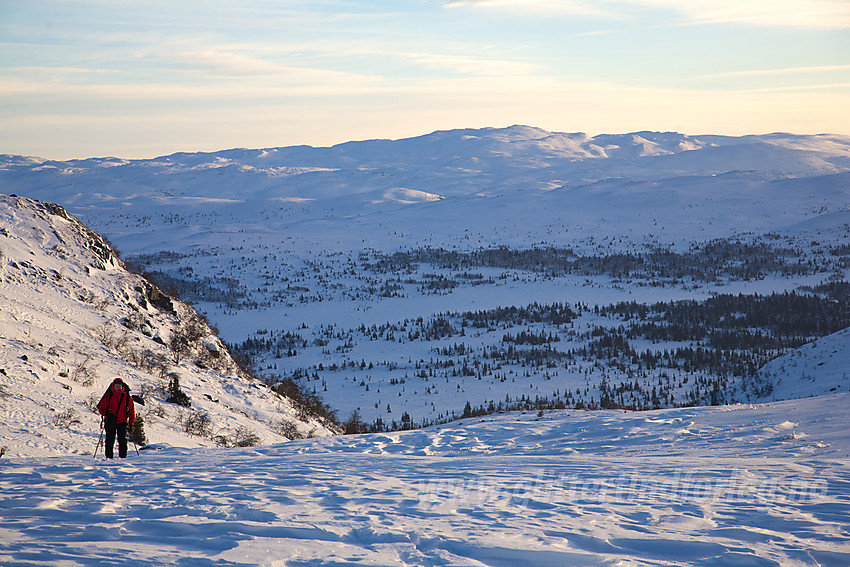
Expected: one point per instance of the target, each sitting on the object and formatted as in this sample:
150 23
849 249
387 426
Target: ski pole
99 439
133 437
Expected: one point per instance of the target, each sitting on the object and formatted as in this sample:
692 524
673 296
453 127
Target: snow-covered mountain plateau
466 298
411 281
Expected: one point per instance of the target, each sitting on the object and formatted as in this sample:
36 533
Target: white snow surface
755 485
814 369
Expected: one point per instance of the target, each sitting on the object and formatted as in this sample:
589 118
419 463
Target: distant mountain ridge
515 142
629 185
282 248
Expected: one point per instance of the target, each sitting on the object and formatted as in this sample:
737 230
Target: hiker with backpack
116 406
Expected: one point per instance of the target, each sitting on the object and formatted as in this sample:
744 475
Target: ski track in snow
740 485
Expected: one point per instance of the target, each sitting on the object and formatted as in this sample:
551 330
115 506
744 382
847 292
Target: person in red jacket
116 406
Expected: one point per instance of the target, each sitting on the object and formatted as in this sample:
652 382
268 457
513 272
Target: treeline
276 343
224 291
553 313
776 321
716 259
446 325
355 423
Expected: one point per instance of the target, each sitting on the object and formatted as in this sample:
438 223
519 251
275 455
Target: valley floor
736 485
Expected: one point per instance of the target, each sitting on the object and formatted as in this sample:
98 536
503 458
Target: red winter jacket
119 404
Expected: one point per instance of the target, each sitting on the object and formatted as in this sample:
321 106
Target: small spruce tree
175 394
354 424
139 431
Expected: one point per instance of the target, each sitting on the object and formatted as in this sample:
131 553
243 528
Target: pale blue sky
140 79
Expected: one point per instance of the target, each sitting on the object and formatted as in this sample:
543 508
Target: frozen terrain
404 280
517 186
755 485
72 319
289 244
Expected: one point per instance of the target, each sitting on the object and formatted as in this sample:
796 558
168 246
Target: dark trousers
113 428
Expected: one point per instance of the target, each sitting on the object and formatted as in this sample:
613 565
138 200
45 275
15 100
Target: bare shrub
91 403
122 343
179 347
222 440
83 372
111 339
195 422
245 437
146 389
105 334
152 362
186 337
242 437
132 357
193 327
147 360
65 418
156 410
286 428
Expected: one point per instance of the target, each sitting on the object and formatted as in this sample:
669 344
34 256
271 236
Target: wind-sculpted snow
757 485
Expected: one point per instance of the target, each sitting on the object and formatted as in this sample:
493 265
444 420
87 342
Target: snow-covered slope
72 319
815 369
286 246
762 485
280 245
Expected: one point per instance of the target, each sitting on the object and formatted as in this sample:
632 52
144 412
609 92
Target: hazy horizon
133 80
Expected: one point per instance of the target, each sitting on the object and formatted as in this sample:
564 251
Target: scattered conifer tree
139 431
177 395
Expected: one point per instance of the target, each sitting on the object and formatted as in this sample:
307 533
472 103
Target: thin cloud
466 65
537 7
834 14
775 72
768 13
222 63
225 63
823 87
